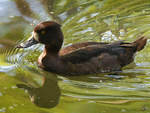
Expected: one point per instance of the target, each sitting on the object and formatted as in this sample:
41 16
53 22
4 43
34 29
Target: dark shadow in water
24 8
46 96
50 7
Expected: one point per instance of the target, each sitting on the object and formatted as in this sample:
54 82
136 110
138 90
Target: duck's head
48 33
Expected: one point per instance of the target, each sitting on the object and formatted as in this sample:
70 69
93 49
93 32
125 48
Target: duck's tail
140 43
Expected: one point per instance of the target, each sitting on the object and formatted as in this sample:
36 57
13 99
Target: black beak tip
28 43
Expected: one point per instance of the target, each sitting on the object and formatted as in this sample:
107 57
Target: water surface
82 20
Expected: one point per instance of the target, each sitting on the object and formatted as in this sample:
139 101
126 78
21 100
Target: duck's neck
48 55
50 60
52 50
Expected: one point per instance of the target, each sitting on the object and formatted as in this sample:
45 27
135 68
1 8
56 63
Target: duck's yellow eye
43 32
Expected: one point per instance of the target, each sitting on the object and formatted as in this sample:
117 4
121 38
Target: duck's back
100 57
78 46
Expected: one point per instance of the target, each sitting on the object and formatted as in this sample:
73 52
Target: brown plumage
81 58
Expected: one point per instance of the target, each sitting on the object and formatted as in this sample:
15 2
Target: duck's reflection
47 95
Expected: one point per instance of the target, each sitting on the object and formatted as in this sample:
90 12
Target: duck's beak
31 41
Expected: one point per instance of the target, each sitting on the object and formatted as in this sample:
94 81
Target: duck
80 58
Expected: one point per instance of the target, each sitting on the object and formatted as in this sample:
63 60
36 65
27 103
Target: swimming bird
80 58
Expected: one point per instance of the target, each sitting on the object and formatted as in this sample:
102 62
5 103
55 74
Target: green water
82 20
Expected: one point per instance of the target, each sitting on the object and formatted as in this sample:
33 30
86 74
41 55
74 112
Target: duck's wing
85 53
77 46
123 51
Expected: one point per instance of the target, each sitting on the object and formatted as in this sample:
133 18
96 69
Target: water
84 20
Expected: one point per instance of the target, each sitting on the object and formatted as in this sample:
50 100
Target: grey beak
28 43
